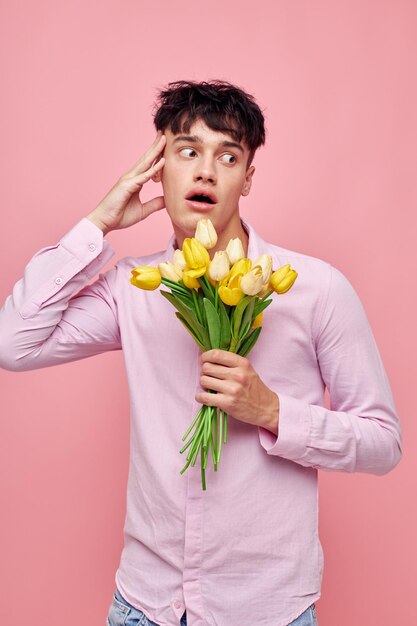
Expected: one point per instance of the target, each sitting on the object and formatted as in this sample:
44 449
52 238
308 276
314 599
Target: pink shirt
247 550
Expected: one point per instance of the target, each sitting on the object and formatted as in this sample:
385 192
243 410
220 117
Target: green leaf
247 319
203 316
191 331
206 287
260 306
237 315
173 285
190 317
225 331
213 323
185 300
248 343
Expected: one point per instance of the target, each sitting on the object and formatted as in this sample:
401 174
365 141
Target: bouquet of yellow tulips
220 302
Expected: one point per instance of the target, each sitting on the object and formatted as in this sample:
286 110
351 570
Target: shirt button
58 280
177 604
91 247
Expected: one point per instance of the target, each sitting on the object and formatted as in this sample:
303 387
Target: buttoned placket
194 514
193 549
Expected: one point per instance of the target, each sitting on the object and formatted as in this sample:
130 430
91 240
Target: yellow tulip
257 321
189 277
195 273
283 279
229 290
146 277
235 250
195 253
287 282
191 283
179 260
264 290
252 282
219 266
265 262
242 266
169 271
206 234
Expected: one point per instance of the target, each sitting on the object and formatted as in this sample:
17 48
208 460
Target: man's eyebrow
196 139
190 138
232 144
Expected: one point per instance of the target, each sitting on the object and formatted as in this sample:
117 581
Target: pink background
337 179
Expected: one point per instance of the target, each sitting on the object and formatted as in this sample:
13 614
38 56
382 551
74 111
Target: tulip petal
196 272
189 282
287 282
145 277
231 297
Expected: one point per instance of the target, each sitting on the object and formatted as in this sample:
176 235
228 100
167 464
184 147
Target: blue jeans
122 613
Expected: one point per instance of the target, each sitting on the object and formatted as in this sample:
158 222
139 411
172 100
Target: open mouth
201 197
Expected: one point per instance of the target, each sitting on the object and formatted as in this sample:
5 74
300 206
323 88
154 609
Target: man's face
204 175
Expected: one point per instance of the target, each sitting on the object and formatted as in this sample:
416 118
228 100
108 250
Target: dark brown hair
221 105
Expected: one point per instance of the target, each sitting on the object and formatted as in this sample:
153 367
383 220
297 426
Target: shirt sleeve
361 432
53 316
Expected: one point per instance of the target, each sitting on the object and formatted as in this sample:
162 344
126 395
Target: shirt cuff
293 430
86 243
81 253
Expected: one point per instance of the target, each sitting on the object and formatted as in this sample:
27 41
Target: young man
246 551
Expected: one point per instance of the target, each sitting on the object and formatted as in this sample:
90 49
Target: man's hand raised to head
122 207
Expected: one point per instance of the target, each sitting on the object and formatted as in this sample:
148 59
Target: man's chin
187 223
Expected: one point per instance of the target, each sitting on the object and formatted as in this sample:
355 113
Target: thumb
156 204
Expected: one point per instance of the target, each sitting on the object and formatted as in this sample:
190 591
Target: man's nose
205 171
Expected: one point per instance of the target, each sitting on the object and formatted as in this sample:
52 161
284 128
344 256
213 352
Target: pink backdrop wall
337 179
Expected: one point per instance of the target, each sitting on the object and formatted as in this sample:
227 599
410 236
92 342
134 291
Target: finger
215 384
149 157
222 357
216 371
156 204
211 399
143 177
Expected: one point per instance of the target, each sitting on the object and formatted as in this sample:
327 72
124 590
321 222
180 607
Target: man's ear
248 181
157 176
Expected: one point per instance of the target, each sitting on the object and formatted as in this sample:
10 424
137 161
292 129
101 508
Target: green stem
197 440
208 429
196 306
194 421
219 448
216 297
213 449
173 285
198 447
233 345
203 474
266 296
208 283
214 442
185 467
183 449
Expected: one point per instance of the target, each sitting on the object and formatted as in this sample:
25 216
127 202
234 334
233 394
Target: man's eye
188 152
228 158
